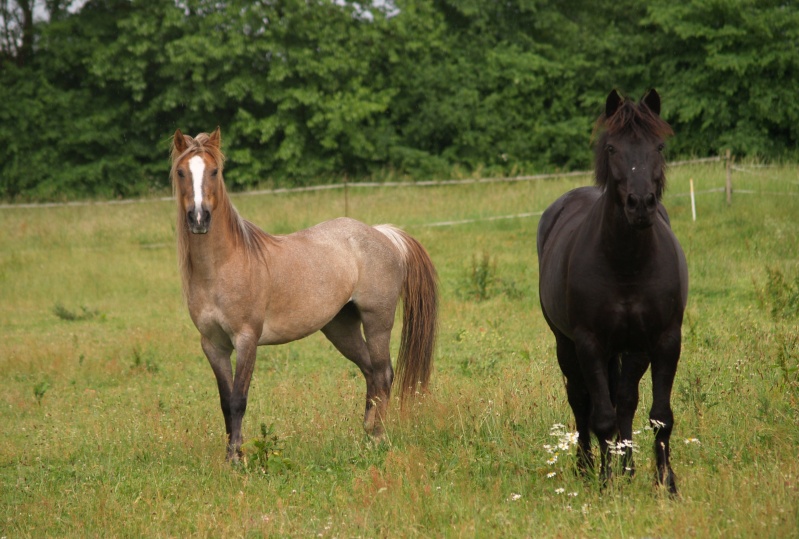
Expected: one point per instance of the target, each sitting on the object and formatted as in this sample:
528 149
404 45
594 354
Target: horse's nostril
632 201
650 201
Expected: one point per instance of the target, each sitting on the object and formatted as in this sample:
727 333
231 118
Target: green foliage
780 297
482 281
144 360
64 313
780 294
787 342
39 390
263 454
478 283
730 73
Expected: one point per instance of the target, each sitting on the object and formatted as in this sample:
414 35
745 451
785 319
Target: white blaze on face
197 168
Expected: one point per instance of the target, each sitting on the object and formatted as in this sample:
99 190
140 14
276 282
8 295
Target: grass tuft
69 315
264 454
482 281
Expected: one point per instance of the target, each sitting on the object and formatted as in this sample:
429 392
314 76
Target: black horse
614 284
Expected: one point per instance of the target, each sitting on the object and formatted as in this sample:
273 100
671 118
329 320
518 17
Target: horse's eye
213 172
180 173
661 146
610 149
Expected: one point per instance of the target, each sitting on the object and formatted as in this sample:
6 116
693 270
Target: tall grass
112 423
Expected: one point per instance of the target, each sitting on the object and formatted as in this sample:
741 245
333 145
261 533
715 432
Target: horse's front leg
664 368
633 367
593 360
219 358
246 346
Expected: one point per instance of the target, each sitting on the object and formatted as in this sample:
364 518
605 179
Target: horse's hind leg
377 332
344 331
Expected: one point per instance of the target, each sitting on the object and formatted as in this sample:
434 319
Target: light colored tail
420 314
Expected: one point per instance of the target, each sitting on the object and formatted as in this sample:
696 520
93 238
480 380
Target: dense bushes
305 90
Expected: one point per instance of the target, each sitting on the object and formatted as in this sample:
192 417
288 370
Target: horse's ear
216 138
179 142
652 100
612 103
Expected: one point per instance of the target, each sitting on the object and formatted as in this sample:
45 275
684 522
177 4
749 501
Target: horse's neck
208 252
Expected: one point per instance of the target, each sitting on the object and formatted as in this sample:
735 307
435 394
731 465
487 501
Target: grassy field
111 420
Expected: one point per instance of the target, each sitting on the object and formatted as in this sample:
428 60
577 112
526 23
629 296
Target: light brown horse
246 288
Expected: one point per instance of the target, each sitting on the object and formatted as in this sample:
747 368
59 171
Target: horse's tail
420 314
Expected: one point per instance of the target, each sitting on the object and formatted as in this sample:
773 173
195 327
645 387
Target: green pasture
111 420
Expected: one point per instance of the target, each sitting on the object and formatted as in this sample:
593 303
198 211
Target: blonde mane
246 235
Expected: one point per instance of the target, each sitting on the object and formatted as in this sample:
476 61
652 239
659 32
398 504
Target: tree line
309 90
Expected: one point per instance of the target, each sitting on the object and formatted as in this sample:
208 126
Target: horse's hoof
234 456
668 481
377 432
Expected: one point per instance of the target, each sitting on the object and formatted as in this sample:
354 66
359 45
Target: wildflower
657 424
572 437
560 490
552 474
553 460
514 497
572 494
692 441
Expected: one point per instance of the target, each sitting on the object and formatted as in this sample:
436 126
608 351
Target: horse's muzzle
640 210
198 219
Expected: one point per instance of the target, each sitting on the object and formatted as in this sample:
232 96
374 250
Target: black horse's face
636 172
198 178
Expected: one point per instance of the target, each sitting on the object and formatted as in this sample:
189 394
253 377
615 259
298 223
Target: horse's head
629 155
197 177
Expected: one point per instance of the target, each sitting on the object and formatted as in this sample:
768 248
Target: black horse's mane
631 119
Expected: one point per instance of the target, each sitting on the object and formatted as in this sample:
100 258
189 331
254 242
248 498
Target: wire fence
729 160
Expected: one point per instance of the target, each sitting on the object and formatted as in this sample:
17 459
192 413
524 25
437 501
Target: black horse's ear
179 142
612 103
652 100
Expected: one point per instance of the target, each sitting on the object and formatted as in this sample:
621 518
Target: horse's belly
272 335
294 323
284 332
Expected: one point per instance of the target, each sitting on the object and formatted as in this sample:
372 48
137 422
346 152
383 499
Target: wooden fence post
346 197
729 178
